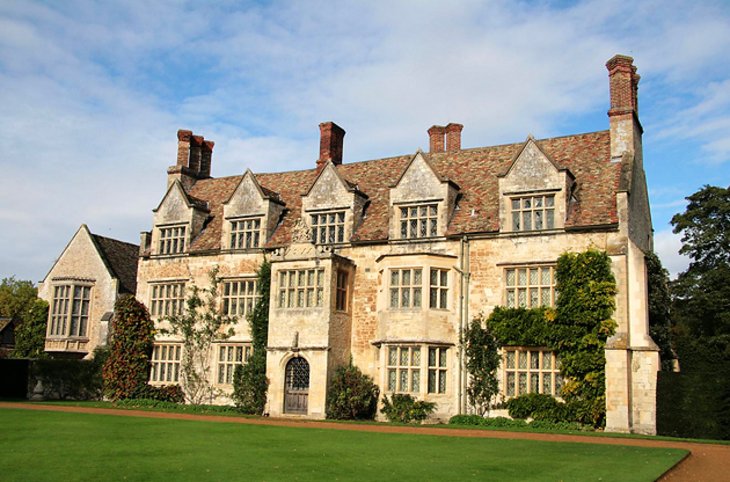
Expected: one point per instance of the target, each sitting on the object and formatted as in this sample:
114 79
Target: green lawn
38 446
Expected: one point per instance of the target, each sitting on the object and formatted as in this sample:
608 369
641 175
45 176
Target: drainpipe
463 319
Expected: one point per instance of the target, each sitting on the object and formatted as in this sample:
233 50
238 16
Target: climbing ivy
586 303
249 380
576 330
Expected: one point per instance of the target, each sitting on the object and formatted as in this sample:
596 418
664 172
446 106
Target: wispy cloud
93 93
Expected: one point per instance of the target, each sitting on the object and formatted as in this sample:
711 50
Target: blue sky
92 95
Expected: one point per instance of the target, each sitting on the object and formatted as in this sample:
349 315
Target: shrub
68 379
539 407
404 408
127 367
164 393
250 384
352 395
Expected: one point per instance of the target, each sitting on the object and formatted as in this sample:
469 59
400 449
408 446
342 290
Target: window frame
175 244
512 388
61 322
342 291
408 368
161 367
426 224
520 213
295 295
334 229
407 295
511 292
240 304
438 292
227 359
172 304
246 233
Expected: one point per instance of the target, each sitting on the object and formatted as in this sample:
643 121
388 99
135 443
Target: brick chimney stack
624 84
183 147
196 144
206 158
193 162
453 137
331 140
623 115
436 138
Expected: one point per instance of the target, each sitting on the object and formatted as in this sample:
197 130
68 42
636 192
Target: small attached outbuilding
81 289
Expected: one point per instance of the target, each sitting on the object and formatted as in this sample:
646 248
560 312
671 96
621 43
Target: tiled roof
121 258
475 171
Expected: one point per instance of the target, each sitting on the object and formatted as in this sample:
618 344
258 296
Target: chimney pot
453 137
436 138
331 142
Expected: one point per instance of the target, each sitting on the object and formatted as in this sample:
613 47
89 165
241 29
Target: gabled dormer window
418 221
172 240
328 227
246 233
533 213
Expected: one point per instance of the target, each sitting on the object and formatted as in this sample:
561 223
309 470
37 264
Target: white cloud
93 93
666 246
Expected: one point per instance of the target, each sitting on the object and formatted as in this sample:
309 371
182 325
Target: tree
30 333
660 323
705 228
249 380
19 301
127 368
701 295
200 324
482 361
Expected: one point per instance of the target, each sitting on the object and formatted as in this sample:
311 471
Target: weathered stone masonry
386 261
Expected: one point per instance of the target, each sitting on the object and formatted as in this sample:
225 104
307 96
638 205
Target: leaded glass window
437 370
530 370
69 315
301 288
329 227
438 288
172 240
230 356
529 286
420 221
404 369
246 233
533 213
239 297
165 363
167 299
405 288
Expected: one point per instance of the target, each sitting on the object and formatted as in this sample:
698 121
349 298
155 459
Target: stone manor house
387 261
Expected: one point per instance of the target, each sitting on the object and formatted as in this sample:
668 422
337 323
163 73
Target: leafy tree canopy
705 227
701 295
16 298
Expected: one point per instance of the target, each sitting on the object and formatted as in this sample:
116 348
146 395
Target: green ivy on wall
576 329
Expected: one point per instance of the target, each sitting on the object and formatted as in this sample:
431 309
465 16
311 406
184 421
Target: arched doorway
296 390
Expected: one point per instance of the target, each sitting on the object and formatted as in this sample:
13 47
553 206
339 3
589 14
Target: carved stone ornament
300 232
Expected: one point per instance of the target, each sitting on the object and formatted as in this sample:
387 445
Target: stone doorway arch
296 386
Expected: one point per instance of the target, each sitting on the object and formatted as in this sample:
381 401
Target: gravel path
706 462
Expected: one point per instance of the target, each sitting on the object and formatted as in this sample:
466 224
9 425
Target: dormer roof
190 200
476 171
